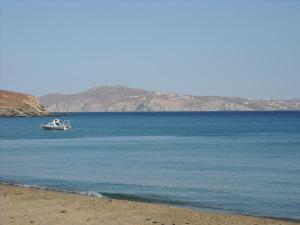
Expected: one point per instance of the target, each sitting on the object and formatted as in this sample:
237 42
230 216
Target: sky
246 48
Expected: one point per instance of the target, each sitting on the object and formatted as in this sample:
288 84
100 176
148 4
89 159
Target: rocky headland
17 104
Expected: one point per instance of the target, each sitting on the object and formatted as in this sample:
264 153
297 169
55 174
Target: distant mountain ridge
20 104
124 99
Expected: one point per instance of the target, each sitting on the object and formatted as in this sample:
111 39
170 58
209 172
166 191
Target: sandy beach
20 205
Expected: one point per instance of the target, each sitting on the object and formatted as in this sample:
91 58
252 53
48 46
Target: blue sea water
239 162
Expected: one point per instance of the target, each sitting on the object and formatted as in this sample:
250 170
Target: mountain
123 99
19 104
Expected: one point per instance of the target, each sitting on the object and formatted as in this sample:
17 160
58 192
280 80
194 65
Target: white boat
57 125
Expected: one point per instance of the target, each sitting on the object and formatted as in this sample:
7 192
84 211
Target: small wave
89 193
164 200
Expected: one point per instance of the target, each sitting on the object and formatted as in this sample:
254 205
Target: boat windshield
67 122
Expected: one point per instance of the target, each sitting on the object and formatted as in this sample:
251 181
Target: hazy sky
231 48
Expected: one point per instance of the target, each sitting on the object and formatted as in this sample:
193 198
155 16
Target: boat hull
55 127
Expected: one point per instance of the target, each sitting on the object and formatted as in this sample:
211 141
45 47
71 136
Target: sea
233 162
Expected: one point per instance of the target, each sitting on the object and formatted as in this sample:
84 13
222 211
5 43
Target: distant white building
158 92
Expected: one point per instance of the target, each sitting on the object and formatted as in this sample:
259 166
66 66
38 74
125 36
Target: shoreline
140 200
42 206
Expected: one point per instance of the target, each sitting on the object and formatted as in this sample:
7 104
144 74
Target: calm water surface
247 162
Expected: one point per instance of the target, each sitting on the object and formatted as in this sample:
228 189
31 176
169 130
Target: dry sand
21 205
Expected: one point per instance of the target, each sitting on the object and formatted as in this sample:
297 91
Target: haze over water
240 162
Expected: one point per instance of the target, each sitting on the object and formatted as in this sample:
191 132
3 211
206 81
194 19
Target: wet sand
20 205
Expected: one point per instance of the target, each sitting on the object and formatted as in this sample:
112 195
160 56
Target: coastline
23 205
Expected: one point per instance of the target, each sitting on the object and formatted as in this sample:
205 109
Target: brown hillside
19 104
120 99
